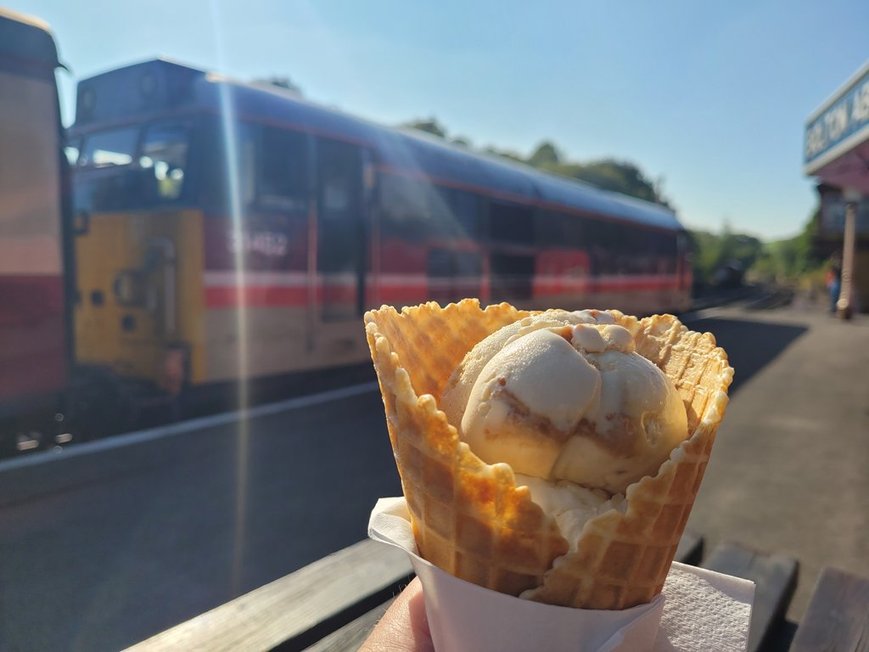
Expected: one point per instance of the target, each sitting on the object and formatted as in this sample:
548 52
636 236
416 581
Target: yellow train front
227 230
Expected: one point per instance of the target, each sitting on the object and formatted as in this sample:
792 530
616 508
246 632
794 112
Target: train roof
406 150
28 41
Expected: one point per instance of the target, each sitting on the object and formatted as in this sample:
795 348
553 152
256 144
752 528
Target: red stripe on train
33 349
266 296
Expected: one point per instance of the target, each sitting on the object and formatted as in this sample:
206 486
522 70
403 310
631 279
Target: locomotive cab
137 237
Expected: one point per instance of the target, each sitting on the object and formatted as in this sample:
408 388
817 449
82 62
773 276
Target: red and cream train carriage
35 339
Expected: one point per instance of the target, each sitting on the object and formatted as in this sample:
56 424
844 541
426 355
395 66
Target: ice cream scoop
564 396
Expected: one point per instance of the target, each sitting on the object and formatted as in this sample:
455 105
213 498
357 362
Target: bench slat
352 635
289 607
838 615
775 576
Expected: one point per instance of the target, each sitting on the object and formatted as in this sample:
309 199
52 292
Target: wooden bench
838 615
775 579
335 602
297 610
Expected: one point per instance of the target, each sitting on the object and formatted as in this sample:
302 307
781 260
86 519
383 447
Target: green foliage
504 153
430 126
280 82
716 255
787 260
780 261
461 141
545 155
623 177
609 174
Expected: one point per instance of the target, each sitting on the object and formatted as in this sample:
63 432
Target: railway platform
109 543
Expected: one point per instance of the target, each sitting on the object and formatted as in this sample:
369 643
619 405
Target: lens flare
231 157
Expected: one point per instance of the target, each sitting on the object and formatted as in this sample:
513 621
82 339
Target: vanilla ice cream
562 397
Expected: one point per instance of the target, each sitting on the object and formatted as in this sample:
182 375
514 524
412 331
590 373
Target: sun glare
230 149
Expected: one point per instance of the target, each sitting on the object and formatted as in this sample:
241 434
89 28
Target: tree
545 155
724 257
609 174
280 82
504 153
618 176
430 126
788 259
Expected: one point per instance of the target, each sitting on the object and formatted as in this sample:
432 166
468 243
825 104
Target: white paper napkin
697 610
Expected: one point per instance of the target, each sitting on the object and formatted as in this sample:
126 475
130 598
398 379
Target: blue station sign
840 124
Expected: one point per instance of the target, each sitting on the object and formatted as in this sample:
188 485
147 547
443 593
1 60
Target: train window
404 208
439 211
601 247
468 264
439 268
511 277
575 231
666 254
439 263
164 150
341 230
550 229
629 250
283 169
453 275
466 213
213 179
511 223
109 148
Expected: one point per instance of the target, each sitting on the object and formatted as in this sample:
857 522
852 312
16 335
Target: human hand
404 626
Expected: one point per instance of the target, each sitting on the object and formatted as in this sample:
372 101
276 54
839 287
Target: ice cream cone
470 518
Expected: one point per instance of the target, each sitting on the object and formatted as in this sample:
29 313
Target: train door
342 244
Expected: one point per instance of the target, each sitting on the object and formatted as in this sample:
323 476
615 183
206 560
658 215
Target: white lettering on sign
266 243
836 121
847 115
815 139
860 110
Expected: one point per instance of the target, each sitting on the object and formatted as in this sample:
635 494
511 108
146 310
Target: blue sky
712 97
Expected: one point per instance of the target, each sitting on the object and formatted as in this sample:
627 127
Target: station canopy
836 151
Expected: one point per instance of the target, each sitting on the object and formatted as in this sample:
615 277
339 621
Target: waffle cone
470 519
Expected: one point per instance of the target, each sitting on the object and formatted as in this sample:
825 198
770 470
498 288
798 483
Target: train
223 232
36 330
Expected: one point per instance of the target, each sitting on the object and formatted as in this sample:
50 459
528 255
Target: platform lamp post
844 307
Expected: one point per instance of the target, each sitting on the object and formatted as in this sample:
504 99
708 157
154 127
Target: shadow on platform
750 345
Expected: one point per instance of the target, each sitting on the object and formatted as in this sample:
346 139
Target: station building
836 153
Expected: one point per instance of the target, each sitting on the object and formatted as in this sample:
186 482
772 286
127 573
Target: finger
404 626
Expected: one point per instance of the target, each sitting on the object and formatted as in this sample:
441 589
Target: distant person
834 281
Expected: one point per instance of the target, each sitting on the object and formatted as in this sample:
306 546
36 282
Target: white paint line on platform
192 425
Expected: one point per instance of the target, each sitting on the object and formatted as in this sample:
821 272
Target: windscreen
130 167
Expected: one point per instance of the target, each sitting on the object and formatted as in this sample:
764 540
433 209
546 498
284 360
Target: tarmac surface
108 543
789 471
